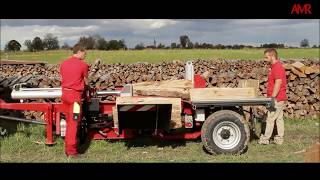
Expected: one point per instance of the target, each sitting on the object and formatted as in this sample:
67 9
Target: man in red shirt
276 89
74 74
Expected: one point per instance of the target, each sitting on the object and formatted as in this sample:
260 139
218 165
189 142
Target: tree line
96 42
51 42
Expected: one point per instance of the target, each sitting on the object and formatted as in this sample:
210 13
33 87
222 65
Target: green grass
22 146
155 56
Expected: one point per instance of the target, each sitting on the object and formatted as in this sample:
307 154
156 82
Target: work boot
278 140
263 140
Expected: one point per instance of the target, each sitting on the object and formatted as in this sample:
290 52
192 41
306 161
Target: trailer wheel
224 132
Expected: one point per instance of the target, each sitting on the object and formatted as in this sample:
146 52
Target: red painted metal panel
106 107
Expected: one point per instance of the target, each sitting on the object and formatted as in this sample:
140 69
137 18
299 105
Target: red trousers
68 99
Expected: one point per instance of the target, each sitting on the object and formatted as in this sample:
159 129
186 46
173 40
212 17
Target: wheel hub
225 133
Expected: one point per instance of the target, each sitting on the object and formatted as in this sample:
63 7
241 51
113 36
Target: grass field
155 56
27 145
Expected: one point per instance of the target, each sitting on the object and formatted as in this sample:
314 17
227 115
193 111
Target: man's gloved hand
272 105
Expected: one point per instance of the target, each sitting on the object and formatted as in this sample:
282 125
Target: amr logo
301 9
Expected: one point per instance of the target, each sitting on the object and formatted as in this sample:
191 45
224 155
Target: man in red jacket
276 88
74 74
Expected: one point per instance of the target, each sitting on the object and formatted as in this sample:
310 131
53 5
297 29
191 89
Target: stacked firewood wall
302 78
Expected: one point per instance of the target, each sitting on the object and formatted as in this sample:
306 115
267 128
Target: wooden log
312 76
299 66
316 106
298 106
311 98
8 80
25 78
299 88
290 109
287 66
297 72
305 91
295 83
15 81
158 77
292 97
170 88
297 113
312 69
307 81
288 73
303 99
308 70
306 107
292 77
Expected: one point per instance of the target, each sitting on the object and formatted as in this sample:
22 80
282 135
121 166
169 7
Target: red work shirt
277 72
73 71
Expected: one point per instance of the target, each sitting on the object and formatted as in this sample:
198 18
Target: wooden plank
176 106
200 94
253 84
250 83
115 117
169 88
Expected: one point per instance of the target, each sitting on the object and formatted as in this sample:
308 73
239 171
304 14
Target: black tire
234 125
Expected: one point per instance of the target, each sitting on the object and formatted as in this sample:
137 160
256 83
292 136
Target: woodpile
302 78
303 85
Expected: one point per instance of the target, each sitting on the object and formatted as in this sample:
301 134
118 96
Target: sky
216 31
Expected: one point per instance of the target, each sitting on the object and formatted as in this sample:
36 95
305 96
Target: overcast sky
165 31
